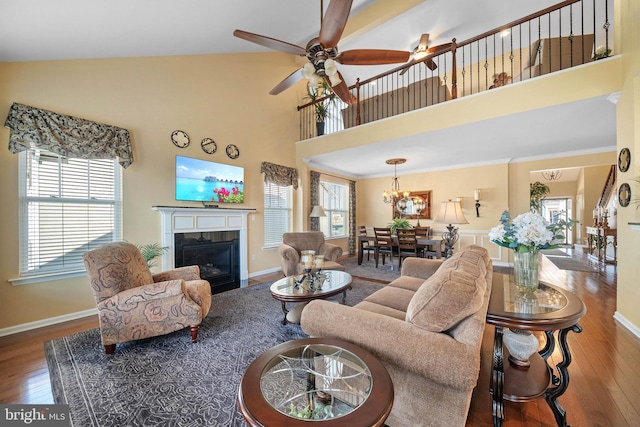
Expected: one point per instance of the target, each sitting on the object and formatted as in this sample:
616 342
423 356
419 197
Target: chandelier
395 194
552 175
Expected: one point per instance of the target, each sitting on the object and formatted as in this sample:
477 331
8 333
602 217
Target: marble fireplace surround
194 219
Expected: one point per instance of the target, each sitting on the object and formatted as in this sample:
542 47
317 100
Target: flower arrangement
528 232
226 196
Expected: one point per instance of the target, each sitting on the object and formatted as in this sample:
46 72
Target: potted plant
321 108
537 192
151 251
399 223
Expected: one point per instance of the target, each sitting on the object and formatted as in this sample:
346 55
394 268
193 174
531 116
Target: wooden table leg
497 378
553 393
360 251
285 311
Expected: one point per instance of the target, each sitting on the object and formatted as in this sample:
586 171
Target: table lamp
450 213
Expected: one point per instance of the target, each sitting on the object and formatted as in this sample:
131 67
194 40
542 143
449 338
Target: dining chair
366 244
422 231
383 244
407 244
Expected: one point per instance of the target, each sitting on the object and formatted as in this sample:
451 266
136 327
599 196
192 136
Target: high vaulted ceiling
32 30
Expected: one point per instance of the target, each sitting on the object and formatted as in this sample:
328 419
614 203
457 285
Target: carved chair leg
194 333
108 349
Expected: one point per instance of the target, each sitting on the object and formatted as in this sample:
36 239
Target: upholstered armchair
294 243
135 304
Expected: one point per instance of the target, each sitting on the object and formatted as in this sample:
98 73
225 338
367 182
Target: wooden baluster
454 78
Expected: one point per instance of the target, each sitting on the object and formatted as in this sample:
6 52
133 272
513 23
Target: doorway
555 209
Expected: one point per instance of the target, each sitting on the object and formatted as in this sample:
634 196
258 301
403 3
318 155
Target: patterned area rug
571 264
167 380
368 270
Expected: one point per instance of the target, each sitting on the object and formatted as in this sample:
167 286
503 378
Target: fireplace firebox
215 252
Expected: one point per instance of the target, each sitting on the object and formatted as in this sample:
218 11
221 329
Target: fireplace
214 239
216 253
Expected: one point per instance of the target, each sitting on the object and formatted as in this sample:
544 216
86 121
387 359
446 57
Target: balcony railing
565 35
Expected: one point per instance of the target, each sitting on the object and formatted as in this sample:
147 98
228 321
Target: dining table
423 242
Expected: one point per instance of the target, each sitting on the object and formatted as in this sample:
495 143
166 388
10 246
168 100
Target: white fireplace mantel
188 220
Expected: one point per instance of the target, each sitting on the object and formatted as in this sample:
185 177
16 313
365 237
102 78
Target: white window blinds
334 199
69 206
277 213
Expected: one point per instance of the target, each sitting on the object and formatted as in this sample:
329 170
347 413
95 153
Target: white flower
528 232
497 233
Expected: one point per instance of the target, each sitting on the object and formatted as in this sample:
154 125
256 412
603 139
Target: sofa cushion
453 293
381 309
392 297
407 282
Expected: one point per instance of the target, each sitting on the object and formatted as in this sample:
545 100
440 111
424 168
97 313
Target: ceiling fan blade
373 57
430 64
289 81
334 22
342 90
424 42
271 43
438 48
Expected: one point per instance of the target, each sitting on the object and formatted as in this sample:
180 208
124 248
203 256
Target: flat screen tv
205 181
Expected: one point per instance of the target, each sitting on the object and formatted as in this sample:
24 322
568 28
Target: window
68 206
277 213
334 199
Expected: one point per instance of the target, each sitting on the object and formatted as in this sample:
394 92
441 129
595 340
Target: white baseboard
627 324
47 322
263 272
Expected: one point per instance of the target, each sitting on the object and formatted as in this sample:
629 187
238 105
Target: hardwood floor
604 387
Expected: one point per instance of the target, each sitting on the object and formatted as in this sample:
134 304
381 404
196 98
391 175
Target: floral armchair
294 243
135 304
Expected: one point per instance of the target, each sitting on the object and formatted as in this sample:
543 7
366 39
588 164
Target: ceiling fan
323 55
422 50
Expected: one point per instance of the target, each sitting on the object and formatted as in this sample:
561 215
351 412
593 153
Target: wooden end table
314 372
549 309
332 282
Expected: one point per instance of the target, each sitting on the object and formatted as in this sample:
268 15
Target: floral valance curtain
67 136
314 197
281 175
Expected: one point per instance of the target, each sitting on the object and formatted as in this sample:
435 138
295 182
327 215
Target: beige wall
213 96
628 129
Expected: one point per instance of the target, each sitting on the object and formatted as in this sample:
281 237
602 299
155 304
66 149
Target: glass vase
525 271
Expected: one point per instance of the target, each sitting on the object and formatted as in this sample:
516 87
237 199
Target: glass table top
316 382
544 300
325 281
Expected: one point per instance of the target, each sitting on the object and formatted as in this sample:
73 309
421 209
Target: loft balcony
571 34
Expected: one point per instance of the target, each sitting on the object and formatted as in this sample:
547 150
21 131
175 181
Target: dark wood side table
550 310
356 384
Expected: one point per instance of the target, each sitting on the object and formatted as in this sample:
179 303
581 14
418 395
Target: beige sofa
557 53
426 328
417 95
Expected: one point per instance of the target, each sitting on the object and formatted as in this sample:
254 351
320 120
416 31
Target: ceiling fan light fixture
419 54
335 79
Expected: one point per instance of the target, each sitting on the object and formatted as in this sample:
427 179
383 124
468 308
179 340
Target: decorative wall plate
208 145
624 195
624 160
180 139
232 151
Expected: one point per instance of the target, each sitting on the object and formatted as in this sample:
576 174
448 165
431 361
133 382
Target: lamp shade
317 212
450 213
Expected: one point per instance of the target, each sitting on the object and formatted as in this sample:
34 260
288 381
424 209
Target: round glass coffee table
303 289
313 380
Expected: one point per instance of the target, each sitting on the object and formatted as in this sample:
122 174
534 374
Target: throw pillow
453 293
